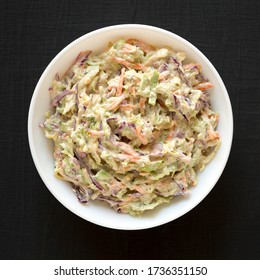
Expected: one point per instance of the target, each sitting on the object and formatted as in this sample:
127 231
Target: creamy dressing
131 126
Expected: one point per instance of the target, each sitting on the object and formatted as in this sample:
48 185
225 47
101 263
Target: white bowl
42 148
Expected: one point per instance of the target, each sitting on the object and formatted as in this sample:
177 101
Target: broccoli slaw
131 126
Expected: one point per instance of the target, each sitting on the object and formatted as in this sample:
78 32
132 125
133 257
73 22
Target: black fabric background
34 225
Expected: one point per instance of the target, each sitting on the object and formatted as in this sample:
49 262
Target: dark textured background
34 225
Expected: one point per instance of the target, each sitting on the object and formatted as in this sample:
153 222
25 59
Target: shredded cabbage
131 126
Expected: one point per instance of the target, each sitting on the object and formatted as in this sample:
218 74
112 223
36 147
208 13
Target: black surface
34 225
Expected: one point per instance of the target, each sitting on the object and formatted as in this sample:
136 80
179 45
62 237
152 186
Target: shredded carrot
144 173
138 129
127 106
204 86
96 133
139 188
142 104
213 134
172 131
169 138
133 159
145 47
140 135
129 64
133 90
184 180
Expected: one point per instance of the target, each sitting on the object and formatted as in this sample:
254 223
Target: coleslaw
131 126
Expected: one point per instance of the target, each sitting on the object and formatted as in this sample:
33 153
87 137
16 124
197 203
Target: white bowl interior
42 148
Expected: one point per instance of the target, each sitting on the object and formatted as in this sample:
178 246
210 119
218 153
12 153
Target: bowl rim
85 37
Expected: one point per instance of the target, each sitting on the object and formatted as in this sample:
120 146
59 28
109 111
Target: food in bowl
131 126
